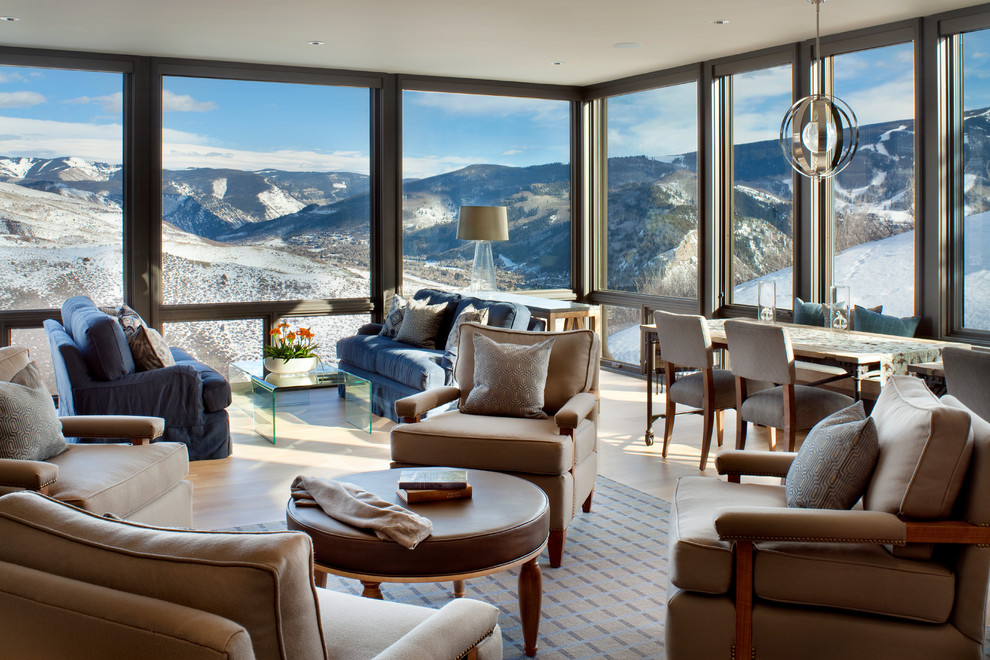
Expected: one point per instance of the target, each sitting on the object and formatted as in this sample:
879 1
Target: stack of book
433 484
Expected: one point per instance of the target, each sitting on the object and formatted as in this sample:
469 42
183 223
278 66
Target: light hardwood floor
252 485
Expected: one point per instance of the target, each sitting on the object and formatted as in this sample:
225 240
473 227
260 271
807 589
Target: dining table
849 354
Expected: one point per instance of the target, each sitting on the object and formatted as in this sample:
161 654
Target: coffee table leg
458 588
530 602
372 590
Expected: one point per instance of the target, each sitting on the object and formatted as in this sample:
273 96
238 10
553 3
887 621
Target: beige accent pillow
29 426
509 379
468 315
421 324
30 376
149 349
925 449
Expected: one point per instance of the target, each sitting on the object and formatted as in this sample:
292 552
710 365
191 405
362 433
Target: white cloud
172 102
889 101
11 77
20 99
420 168
51 139
512 152
480 105
182 155
656 123
111 103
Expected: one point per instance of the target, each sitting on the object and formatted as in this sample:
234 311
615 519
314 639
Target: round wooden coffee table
504 525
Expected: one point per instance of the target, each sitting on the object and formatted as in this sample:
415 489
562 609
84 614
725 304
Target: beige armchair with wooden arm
144 483
559 453
754 578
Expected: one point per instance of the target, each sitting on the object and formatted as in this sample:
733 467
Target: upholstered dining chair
967 377
685 343
762 353
555 446
768 580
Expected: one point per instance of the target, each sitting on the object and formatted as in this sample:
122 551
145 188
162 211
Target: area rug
607 600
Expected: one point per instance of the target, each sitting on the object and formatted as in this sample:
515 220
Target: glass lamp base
483 272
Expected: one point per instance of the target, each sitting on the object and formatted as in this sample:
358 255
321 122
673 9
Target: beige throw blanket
357 507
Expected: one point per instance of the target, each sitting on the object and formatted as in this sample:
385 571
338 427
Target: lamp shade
483 223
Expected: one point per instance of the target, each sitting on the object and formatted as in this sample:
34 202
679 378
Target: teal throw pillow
808 313
866 320
835 462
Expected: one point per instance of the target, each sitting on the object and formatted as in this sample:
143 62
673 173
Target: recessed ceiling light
627 44
560 63
316 43
720 21
9 19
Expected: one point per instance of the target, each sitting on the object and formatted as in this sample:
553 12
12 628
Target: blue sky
253 125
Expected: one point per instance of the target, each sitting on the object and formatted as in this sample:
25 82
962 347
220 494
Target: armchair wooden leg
556 546
743 647
586 506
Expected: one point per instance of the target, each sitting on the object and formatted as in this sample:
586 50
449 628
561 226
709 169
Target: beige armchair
559 454
752 577
75 585
145 483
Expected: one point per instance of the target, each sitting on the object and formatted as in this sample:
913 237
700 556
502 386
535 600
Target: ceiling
518 40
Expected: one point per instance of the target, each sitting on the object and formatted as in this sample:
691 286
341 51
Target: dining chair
686 344
762 353
967 377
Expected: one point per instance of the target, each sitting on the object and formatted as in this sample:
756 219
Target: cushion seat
418 368
361 350
853 576
515 444
114 478
690 390
766 407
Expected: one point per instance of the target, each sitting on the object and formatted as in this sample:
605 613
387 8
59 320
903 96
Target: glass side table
271 393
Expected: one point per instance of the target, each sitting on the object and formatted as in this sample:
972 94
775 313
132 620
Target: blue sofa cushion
360 350
416 367
99 337
216 389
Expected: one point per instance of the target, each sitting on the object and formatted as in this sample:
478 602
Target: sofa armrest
139 430
576 409
175 393
409 408
735 462
26 475
370 329
455 629
809 525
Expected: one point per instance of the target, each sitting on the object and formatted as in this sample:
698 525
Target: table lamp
483 224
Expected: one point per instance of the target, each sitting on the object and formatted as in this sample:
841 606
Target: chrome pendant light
819 134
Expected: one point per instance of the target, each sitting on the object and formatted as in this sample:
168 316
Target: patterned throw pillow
835 463
509 379
129 320
149 350
393 320
29 426
420 324
469 315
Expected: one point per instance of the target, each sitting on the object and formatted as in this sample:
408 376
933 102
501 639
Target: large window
61 194
874 207
975 47
480 150
265 191
651 226
762 227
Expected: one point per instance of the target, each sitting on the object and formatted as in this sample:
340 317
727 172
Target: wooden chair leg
773 438
669 410
706 437
740 423
719 425
556 546
586 506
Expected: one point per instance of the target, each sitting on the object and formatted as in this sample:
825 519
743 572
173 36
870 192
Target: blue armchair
96 375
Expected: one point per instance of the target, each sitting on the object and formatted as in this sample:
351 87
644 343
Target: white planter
291 366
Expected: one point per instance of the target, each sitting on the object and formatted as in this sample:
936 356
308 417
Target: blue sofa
96 375
397 370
